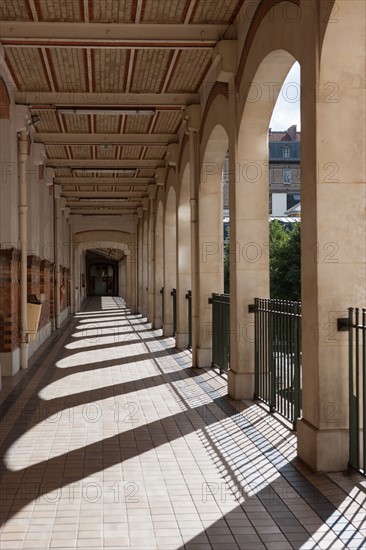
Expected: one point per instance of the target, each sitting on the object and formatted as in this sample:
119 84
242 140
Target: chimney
292 132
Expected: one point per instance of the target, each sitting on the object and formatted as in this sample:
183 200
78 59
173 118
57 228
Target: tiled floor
111 440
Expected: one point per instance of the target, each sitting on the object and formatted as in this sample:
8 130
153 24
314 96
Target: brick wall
33 276
9 299
40 280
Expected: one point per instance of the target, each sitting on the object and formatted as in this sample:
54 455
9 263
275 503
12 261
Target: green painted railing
220 331
356 326
278 356
189 298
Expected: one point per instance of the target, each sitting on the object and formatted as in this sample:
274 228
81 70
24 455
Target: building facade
284 170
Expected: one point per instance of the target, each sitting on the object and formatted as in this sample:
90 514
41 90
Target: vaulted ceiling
106 82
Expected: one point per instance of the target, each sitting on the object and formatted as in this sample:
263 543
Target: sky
287 109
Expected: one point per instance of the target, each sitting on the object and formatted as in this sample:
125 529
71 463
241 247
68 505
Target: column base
322 450
204 358
168 330
157 323
181 340
240 385
10 362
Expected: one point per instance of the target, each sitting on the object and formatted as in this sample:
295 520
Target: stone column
139 233
170 267
159 248
145 260
57 210
333 227
193 115
132 260
151 253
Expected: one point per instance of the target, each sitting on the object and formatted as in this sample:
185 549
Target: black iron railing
220 331
356 326
278 356
174 295
189 298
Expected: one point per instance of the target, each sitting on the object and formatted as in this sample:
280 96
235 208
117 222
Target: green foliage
227 263
285 261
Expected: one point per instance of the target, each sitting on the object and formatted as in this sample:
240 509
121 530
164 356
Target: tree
227 262
285 261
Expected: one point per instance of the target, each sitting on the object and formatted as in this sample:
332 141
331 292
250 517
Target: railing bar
286 360
357 360
262 358
290 367
256 387
281 378
364 386
268 342
350 388
265 354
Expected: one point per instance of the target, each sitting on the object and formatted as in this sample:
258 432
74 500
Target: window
287 176
286 152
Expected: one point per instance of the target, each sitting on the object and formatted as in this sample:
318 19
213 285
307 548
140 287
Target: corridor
112 440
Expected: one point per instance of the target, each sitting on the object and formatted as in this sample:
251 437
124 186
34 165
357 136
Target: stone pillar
159 249
193 115
139 233
210 224
76 253
151 254
170 266
183 262
128 295
72 269
333 228
132 262
57 210
145 260
249 248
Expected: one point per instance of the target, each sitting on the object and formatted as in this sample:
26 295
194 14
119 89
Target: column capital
225 57
172 154
152 189
192 115
57 190
160 176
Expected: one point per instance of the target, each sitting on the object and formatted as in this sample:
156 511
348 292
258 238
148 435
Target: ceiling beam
104 194
98 207
105 139
90 164
104 181
121 35
105 99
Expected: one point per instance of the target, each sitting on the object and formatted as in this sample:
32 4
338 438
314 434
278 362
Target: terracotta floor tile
117 443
